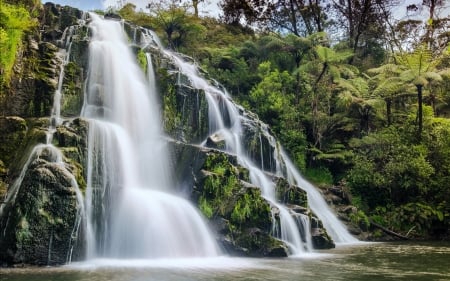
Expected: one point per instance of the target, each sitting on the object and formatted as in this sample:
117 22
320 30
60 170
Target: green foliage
251 210
360 218
14 21
320 176
273 94
414 218
205 207
142 60
386 165
220 186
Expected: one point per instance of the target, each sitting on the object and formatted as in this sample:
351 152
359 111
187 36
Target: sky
209 7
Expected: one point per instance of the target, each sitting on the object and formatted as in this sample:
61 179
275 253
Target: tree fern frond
387 69
433 76
389 87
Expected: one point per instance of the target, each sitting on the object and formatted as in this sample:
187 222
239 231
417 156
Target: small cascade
318 204
131 209
225 122
55 117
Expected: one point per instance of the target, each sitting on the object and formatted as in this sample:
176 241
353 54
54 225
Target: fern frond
389 87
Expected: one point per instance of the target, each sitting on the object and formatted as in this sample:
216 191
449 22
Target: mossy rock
40 222
12 134
258 243
185 108
290 194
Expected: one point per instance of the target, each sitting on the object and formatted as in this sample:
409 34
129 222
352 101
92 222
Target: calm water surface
380 261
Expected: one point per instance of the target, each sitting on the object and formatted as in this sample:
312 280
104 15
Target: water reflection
381 261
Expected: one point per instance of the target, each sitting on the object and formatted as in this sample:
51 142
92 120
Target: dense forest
359 99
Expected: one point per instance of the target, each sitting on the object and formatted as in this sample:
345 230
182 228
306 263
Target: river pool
367 261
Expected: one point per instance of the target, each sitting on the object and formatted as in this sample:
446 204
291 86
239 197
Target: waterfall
131 209
225 122
318 205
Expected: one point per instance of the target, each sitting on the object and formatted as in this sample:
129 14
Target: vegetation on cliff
15 20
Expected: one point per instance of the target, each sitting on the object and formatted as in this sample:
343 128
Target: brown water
380 261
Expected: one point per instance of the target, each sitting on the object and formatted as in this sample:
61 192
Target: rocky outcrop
239 214
40 225
38 62
41 218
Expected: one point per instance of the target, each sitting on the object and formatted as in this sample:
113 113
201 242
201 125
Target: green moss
220 186
205 208
72 99
360 219
15 20
23 234
172 117
290 194
74 158
12 134
142 60
251 210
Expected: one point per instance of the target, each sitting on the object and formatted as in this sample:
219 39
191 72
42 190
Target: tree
419 68
435 29
362 22
387 85
300 17
175 21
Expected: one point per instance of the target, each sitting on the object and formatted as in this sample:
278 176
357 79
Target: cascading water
318 205
225 122
131 211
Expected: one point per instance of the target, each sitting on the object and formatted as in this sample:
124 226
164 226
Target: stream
366 261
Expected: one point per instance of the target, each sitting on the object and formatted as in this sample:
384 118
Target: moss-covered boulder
241 217
39 218
40 222
71 138
290 194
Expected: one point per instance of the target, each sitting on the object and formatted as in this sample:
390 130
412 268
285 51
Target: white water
318 205
225 122
131 210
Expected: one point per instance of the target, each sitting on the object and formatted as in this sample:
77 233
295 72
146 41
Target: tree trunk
195 4
419 111
390 232
388 112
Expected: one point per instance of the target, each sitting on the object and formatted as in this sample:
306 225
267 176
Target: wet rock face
185 109
37 66
55 19
12 133
38 228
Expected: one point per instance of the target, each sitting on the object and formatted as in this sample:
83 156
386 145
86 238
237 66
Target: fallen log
390 232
